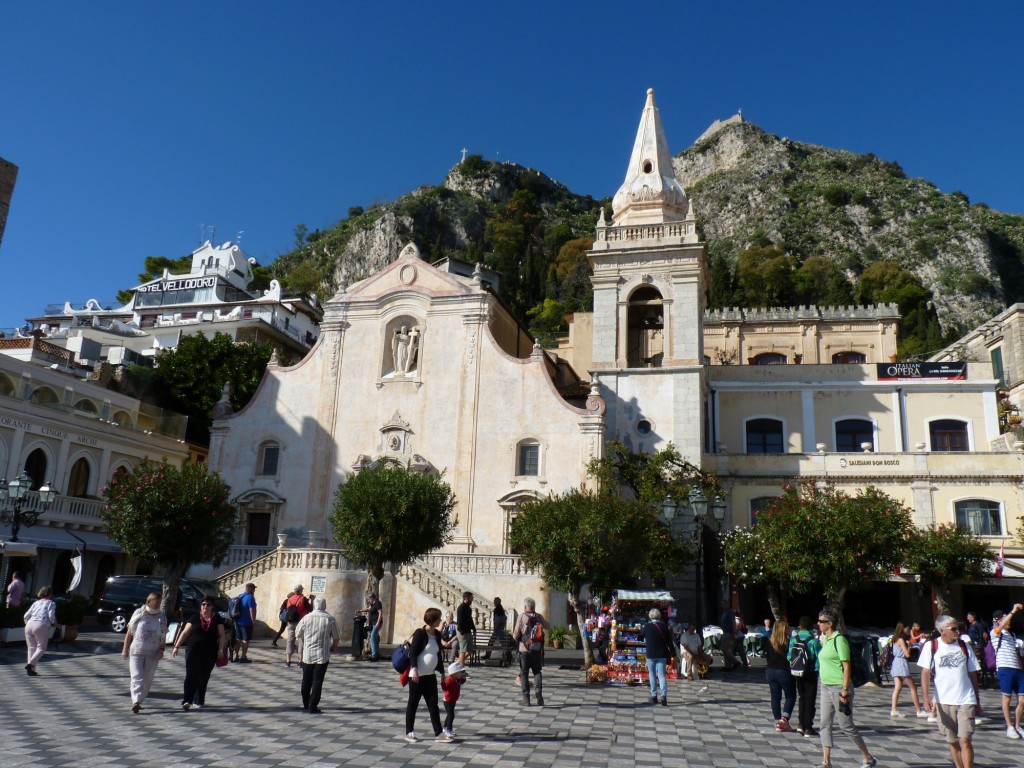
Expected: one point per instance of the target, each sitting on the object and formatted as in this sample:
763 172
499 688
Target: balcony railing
66 510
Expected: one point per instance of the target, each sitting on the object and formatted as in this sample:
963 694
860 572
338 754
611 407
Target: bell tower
649 285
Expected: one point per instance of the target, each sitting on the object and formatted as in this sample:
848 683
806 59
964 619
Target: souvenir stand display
627 656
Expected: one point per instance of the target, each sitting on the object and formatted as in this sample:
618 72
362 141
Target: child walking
452 687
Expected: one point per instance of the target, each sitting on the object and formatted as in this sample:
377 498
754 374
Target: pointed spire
650 194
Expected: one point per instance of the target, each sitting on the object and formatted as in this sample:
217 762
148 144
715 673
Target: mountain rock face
747 186
852 209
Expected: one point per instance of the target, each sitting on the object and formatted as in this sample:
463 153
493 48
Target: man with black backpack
529 633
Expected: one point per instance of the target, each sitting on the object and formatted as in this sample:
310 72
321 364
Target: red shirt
452 687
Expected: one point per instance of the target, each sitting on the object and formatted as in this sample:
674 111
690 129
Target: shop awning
659 595
58 538
17 549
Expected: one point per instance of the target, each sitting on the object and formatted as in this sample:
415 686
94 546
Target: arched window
645 341
528 458
765 436
87 406
269 454
35 468
759 503
852 433
6 388
768 358
78 481
122 419
45 396
949 435
980 516
849 358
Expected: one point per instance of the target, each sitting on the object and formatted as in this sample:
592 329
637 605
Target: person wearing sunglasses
950 663
834 674
206 640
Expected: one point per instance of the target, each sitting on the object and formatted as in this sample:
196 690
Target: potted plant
557 635
70 614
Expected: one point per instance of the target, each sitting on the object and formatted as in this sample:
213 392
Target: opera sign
911 371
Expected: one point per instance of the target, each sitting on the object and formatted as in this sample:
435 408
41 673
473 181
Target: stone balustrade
510 565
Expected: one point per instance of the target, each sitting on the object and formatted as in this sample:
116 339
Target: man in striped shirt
1008 669
319 636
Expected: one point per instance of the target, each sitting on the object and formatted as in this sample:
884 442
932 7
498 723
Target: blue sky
135 125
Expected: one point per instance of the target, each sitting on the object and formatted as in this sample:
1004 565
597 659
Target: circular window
648 166
643 427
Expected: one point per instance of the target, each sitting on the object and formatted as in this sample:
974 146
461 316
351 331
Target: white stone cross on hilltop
464 151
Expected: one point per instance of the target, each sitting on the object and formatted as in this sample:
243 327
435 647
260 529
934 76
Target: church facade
424 364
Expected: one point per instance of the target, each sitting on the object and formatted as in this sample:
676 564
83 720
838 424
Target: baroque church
424 363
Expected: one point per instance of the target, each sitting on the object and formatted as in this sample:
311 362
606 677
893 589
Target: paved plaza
77 712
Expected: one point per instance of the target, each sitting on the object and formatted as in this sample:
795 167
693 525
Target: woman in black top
780 679
660 648
206 640
424 659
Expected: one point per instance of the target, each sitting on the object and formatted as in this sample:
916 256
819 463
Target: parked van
122 595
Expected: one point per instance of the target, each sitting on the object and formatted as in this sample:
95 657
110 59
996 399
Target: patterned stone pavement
77 712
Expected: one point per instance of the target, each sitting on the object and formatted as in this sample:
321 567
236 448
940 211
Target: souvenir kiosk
627 655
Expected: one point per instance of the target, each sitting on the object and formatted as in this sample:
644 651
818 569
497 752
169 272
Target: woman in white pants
144 647
39 619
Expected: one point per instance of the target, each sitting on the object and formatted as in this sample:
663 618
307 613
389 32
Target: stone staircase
421 574
445 590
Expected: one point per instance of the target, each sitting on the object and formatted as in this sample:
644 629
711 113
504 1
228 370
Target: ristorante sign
181 284
911 371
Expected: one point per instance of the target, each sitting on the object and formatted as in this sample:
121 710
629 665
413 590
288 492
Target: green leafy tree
189 378
547 321
819 535
764 275
588 537
885 282
387 514
821 281
171 518
944 555
651 477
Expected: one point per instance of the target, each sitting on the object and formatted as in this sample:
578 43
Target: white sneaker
980 720
932 719
1012 733
444 736
897 714
922 713
449 731
411 737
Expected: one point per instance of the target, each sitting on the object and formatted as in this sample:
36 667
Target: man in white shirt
1008 668
951 663
319 636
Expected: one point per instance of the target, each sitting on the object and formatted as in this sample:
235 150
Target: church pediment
410 273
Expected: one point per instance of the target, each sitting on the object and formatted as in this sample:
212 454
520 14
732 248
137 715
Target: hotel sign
911 371
181 284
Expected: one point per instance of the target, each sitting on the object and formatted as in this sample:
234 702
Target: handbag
284 616
403 677
222 659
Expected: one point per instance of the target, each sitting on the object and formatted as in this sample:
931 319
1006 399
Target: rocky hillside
809 201
785 222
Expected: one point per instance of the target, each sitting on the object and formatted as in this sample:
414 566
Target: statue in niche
404 349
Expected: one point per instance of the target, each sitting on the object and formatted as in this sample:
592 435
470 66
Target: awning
17 549
59 538
659 595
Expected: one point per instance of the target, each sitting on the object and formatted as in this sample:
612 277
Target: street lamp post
698 504
14 495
